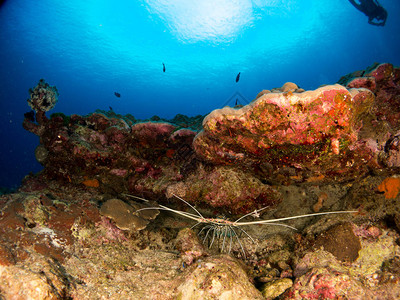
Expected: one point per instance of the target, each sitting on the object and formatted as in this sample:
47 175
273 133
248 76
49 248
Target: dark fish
117 94
163 67
110 108
30 116
238 77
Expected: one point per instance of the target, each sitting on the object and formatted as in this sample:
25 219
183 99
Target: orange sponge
91 183
390 186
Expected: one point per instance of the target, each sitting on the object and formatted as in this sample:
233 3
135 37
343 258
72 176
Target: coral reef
320 275
58 244
226 187
384 81
43 96
155 159
72 232
310 131
381 128
285 135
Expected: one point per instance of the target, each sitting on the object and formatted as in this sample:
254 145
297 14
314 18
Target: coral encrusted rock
384 81
126 216
305 130
43 96
220 277
334 133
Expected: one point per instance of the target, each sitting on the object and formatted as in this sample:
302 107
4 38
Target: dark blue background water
90 49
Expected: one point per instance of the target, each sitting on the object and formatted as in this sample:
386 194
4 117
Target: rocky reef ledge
74 231
287 135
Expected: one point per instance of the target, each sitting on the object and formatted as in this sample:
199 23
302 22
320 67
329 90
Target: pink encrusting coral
228 187
285 128
384 81
152 134
381 129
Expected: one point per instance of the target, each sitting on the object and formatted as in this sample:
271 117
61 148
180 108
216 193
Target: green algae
66 119
34 211
275 288
294 153
372 255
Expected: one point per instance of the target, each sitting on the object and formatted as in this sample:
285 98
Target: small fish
110 108
163 67
236 103
117 94
238 77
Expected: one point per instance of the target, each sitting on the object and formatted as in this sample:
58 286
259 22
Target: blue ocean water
91 49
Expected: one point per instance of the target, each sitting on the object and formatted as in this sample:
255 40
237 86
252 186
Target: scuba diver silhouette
373 10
